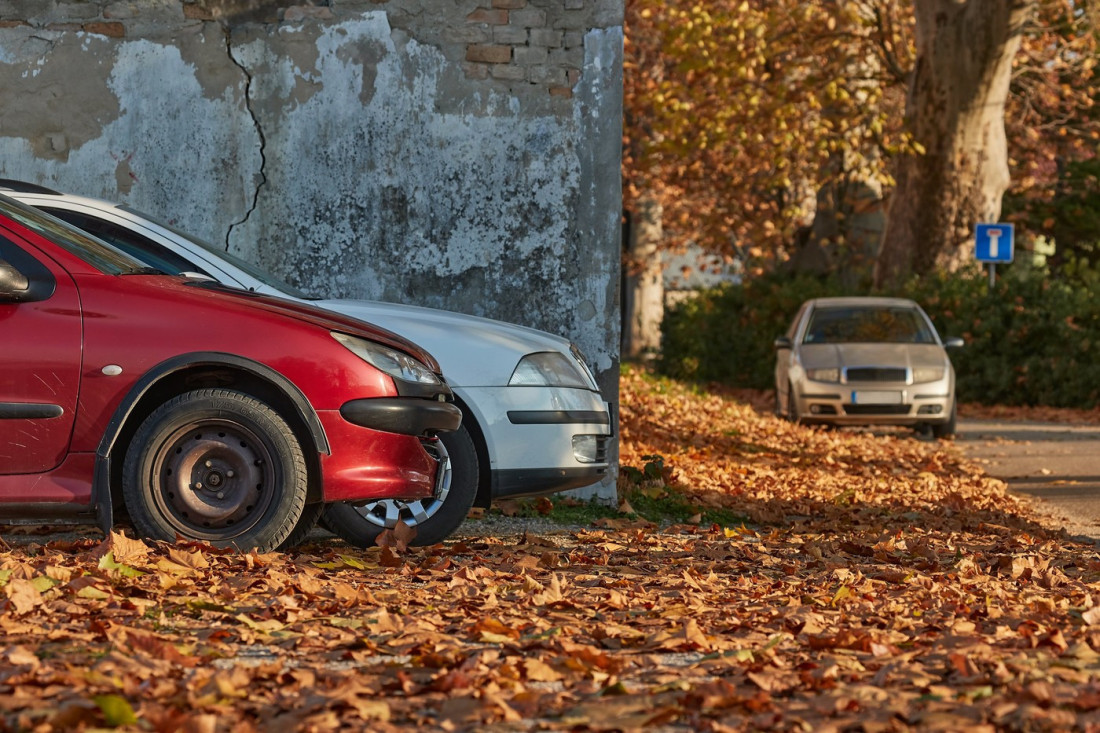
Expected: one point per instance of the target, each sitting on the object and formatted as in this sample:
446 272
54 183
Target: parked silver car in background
865 361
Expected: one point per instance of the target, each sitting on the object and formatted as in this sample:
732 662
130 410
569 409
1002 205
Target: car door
40 359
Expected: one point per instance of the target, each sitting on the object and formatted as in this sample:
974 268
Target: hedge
1032 340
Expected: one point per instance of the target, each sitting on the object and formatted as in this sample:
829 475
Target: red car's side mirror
15 287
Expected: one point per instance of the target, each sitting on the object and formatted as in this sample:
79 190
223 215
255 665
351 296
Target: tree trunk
955 111
643 296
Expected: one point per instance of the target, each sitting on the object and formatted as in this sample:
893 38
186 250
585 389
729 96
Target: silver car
865 361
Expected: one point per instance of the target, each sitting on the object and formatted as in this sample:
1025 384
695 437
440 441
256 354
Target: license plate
865 397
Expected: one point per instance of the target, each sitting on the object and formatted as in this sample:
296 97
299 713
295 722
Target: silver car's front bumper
874 403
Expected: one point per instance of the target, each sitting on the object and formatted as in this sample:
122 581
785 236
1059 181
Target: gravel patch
489 525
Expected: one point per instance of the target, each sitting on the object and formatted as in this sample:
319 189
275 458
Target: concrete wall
460 154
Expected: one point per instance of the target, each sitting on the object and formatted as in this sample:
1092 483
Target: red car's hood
323 318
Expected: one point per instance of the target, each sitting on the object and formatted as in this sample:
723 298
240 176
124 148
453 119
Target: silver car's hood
826 356
472 351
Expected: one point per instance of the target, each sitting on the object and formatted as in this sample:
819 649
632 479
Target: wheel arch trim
183 362
101 488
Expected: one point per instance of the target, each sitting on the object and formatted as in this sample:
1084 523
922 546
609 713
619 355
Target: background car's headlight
548 369
824 375
927 374
394 363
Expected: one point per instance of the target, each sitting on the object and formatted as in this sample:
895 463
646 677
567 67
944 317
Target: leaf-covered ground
877 583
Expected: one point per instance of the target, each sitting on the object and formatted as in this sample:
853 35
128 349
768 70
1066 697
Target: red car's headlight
394 363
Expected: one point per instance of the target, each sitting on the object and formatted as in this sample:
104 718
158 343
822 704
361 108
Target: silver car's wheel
387 513
792 410
435 518
947 429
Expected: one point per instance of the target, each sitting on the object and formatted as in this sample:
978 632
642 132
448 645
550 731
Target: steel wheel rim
386 513
214 479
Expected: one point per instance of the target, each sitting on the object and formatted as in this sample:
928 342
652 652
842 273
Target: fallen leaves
875 582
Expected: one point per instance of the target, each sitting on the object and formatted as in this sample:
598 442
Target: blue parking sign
993 242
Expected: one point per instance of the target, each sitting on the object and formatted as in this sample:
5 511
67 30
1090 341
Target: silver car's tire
435 519
792 409
941 431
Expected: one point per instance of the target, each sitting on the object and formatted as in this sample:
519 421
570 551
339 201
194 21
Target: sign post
994 243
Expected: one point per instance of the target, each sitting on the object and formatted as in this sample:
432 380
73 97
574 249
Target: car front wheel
217 466
792 411
434 518
947 429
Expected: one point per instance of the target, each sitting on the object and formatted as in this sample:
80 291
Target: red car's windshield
96 253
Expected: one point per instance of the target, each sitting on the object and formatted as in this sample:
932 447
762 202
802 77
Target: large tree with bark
958 93
739 112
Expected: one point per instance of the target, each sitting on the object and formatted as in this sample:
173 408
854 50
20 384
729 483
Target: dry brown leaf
23 596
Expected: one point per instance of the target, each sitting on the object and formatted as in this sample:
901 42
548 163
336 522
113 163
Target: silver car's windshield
882 324
260 274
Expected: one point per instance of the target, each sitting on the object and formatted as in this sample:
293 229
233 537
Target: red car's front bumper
370 464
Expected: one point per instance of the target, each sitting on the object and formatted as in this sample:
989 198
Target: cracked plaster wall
434 152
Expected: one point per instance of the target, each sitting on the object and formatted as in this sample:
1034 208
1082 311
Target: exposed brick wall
517 41
523 47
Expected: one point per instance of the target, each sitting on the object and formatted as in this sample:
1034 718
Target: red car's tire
311 515
218 466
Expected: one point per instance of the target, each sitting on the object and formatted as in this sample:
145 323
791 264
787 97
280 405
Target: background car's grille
875 374
876 409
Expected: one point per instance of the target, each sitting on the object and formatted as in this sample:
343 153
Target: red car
201 411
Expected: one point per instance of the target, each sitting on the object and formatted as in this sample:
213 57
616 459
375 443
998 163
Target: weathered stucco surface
455 154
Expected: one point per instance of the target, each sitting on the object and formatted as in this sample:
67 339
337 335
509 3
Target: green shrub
1032 340
726 334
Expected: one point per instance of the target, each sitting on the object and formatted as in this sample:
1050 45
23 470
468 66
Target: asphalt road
1058 464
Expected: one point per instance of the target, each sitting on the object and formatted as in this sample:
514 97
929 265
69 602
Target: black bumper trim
29 411
558 417
518 482
404 416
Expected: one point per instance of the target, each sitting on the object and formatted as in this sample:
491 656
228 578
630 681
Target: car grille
876 409
876 374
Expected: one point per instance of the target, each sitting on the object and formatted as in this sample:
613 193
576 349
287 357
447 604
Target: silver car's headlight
824 375
927 374
547 369
394 363
583 364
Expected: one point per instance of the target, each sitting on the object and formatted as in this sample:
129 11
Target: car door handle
29 411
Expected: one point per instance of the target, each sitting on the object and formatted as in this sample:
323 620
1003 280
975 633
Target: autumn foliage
877 582
745 119
735 112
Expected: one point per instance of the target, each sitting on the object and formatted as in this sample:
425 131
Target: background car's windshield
262 275
96 253
844 325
